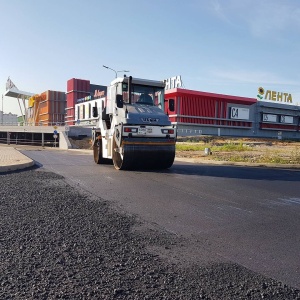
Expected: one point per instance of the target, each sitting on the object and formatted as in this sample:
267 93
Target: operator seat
145 98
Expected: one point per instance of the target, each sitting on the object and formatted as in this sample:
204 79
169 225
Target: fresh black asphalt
58 242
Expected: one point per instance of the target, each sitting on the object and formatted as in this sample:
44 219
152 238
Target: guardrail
45 143
56 136
34 129
32 124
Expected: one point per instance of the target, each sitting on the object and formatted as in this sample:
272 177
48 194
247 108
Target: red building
79 90
76 89
201 108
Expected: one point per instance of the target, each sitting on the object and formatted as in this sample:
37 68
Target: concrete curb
12 160
16 167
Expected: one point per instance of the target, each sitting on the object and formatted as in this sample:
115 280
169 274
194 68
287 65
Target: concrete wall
77 131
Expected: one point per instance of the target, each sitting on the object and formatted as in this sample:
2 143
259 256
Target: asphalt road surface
248 216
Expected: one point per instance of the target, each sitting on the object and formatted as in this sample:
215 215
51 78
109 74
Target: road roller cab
133 130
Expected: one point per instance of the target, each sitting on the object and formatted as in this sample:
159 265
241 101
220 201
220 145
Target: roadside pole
2 112
55 135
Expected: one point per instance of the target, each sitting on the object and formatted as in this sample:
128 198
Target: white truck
132 128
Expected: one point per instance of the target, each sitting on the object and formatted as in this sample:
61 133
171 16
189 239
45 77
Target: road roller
133 131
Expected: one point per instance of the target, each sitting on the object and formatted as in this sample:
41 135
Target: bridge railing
50 124
35 142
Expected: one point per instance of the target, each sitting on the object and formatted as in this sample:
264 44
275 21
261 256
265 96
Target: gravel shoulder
60 243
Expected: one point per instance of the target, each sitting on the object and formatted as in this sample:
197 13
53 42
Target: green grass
190 147
237 153
274 157
296 155
231 147
215 148
277 158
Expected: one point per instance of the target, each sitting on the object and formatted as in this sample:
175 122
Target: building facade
201 113
223 115
47 109
8 119
79 91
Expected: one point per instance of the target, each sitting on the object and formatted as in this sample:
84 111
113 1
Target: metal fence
29 138
32 124
189 131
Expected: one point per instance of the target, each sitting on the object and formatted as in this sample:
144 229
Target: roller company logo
150 120
274 96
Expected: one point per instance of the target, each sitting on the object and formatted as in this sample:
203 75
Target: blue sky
221 46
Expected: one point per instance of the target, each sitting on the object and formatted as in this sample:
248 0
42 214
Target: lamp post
116 72
2 112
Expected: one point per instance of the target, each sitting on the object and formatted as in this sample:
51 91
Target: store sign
274 96
99 94
173 82
269 118
287 119
239 113
84 99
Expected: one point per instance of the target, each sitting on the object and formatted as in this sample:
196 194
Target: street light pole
124 71
116 72
2 111
111 69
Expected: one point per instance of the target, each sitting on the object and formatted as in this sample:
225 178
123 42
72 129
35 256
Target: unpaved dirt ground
85 143
254 150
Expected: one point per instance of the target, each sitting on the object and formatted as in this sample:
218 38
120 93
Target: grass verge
253 151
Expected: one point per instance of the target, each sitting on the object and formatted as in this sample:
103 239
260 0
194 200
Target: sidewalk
11 159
